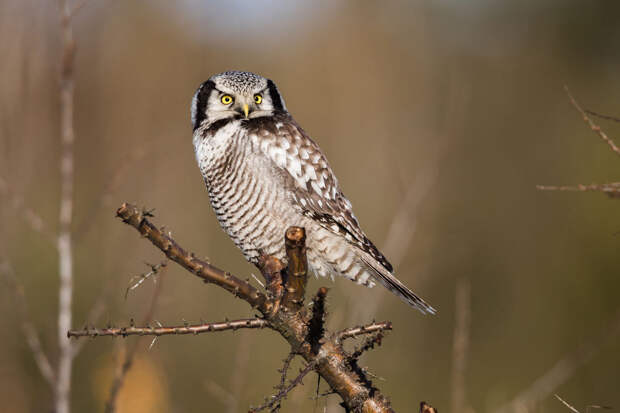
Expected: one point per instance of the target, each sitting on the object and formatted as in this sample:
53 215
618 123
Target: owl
264 174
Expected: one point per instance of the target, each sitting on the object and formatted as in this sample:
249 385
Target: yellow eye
227 99
258 99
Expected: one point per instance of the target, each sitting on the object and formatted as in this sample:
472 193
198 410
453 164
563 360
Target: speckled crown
240 82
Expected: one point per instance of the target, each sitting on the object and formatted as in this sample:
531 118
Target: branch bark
290 319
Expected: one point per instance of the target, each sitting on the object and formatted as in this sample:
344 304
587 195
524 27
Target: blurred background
439 119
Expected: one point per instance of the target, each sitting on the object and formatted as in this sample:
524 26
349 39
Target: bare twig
178 330
282 393
30 332
592 125
460 344
360 330
139 279
283 372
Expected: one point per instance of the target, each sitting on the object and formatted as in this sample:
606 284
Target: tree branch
291 319
285 390
172 330
361 330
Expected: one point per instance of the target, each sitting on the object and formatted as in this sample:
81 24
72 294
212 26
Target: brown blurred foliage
463 100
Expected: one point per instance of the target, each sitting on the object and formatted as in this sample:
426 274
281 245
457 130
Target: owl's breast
246 193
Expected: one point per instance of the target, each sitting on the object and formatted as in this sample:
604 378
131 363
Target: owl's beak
246 110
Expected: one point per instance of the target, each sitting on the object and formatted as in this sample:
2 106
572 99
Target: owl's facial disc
235 95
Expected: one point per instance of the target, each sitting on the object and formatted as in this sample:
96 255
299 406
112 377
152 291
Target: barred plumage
264 174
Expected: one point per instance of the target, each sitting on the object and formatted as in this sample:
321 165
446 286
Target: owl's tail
387 279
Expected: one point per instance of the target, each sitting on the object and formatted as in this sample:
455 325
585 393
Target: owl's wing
313 185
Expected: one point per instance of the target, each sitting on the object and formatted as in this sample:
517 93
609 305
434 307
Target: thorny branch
367 329
172 330
285 390
282 310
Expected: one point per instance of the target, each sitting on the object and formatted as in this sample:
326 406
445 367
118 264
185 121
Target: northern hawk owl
264 174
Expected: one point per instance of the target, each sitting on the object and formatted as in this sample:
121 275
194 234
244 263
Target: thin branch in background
65 244
590 123
563 370
285 391
588 408
600 115
33 219
30 332
611 189
460 344
361 330
128 356
565 403
149 330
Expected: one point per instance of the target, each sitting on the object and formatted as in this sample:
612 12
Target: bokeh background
438 117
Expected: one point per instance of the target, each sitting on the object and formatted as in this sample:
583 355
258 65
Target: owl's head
235 95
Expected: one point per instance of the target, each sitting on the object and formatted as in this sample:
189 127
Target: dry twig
367 329
590 123
286 390
170 330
